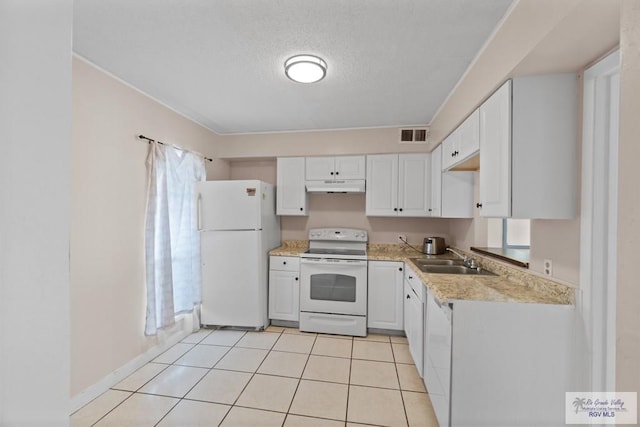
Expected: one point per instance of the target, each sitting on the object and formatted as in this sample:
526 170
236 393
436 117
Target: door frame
598 228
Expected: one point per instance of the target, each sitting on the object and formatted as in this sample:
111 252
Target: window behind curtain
172 241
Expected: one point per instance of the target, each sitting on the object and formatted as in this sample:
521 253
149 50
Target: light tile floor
280 377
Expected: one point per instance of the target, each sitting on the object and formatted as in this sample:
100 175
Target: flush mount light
305 68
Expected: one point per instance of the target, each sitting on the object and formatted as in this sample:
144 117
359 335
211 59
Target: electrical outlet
547 267
402 238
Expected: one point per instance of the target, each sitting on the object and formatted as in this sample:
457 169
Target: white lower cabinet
437 356
284 288
490 363
385 292
414 316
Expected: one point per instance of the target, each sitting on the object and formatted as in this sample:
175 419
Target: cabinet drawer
284 263
414 281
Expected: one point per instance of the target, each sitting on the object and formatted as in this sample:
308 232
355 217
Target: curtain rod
149 140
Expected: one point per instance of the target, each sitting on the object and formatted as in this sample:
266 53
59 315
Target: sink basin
420 262
452 269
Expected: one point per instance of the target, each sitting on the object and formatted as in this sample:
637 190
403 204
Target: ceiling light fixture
305 68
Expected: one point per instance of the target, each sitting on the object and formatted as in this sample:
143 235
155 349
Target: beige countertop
511 284
290 248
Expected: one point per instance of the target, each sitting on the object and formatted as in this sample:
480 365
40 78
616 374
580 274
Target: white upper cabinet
319 168
291 197
350 167
495 160
469 139
332 168
436 182
449 146
414 187
528 145
382 185
398 185
463 143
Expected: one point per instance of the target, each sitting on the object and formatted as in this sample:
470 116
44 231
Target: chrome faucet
469 262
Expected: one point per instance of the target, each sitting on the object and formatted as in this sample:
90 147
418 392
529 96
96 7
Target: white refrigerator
238 227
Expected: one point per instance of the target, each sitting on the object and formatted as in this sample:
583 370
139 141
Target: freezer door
229 205
234 279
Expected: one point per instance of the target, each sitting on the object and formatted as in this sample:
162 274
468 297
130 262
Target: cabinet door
449 147
436 182
320 168
414 184
291 197
382 185
413 318
469 140
406 311
350 167
495 161
284 295
437 358
385 291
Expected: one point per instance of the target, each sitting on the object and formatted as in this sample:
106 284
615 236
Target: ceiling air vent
414 136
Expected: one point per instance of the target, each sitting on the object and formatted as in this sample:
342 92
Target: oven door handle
330 261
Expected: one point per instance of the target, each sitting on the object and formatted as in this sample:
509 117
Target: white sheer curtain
171 237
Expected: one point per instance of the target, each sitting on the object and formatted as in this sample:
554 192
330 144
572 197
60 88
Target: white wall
331 143
35 135
109 184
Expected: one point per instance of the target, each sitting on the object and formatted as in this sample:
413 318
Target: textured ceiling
220 62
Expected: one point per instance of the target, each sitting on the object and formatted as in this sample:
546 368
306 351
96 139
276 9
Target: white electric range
333 286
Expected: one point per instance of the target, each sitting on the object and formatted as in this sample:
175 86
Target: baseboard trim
90 393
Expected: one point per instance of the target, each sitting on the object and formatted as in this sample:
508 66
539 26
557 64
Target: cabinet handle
296 279
399 268
331 173
408 297
338 173
301 209
395 209
284 262
410 277
430 209
479 205
400 209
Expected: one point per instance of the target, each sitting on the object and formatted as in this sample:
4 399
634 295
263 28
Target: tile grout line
197 382
151 379
395 365
315 339
252 376
346 415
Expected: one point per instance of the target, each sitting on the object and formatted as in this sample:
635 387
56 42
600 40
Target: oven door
333 286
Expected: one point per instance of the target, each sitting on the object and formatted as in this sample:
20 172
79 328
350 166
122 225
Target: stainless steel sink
446 266
427 262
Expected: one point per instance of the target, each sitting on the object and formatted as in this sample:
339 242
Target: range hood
344 186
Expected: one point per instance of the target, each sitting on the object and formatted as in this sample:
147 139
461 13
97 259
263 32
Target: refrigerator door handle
198 211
